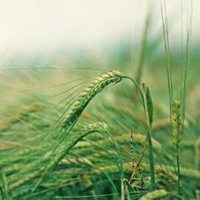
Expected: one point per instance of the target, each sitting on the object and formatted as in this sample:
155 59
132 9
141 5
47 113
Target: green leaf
148 102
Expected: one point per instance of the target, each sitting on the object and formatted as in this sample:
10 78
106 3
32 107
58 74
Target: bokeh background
56 32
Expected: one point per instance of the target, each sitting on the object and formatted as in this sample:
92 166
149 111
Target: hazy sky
29 25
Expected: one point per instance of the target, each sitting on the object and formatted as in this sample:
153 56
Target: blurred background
58 32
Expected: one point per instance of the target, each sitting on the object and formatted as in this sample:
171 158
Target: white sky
33 25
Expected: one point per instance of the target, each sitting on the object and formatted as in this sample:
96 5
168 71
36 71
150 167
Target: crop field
116 127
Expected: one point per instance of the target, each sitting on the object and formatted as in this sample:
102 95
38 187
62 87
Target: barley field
123 124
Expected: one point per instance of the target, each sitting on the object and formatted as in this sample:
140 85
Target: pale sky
38 25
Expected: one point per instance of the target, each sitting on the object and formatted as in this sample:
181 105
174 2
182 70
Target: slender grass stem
141 59
150 145
176 117
149 138
151 160
136 85
178 172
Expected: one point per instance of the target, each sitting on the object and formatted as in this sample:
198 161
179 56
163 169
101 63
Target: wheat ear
177 131
80 103
60 152
157 194
177 125
88 93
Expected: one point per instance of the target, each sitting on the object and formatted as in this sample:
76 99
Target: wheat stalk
62 146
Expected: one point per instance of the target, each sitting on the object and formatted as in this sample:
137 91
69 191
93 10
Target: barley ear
177 131
66 146
156 194
88 94
177 125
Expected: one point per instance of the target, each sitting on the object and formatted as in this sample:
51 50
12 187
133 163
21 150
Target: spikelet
157 194
96 127
88 93
65 147
177 125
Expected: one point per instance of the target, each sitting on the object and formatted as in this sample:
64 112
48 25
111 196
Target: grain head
177 125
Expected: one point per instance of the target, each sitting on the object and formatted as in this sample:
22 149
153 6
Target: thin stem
178 172
150 147
120 163
144 43
188 41
167 50
136 85
138 163
149 140
151 160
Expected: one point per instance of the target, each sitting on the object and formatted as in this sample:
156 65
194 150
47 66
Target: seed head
177 124
88 93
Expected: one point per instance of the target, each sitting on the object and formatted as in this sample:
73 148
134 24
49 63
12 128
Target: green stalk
151 159
143 45
178 172
168 55
174 117
148 109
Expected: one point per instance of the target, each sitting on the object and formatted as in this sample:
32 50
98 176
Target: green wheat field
122 126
